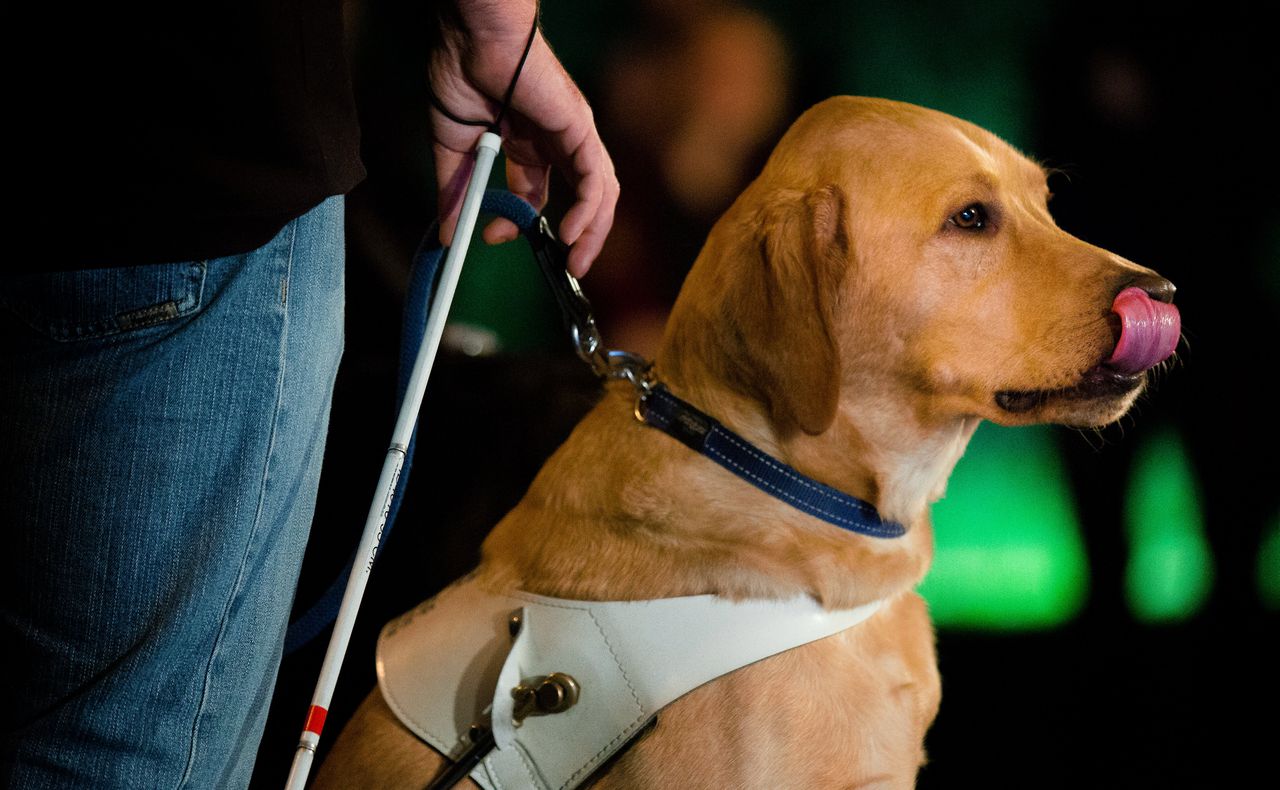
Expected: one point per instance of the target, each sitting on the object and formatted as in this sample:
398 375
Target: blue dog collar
706 435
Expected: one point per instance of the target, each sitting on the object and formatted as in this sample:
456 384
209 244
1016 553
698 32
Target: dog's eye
972 217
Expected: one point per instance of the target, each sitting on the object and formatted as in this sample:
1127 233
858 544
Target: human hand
548 124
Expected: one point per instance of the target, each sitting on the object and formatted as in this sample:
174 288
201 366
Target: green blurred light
502 291
1009 553
1170 569
1269 568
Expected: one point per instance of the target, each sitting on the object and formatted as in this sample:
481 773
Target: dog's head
888 248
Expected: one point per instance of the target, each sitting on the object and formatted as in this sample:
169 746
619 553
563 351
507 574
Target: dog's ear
785 311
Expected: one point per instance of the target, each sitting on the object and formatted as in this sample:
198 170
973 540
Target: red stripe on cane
315 719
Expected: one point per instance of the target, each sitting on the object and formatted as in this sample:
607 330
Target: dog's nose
1157 287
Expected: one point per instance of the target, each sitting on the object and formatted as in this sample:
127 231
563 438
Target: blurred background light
1170 570
1269 567
1009 552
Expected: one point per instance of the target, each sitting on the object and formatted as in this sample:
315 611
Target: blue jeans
161 432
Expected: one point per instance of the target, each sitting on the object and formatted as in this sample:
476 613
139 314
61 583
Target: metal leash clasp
575 309
552 257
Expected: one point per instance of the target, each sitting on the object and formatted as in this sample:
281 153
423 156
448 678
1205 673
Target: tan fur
837 320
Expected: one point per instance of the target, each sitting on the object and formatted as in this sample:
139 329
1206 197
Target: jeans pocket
93 303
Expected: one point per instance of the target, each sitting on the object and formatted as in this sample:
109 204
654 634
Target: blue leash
423 282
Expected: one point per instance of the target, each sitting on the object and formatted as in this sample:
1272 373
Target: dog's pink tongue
1149 331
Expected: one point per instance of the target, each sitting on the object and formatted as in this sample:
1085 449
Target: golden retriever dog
892 278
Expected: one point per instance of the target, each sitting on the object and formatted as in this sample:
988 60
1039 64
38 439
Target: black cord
482 742
493 125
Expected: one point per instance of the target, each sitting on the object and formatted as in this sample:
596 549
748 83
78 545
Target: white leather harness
445 665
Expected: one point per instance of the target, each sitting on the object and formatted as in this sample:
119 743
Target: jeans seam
238 585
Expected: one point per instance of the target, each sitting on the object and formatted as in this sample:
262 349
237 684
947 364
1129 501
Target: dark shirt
158 132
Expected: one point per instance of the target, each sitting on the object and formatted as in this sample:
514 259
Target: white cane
486 151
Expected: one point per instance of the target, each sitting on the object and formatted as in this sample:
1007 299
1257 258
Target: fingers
453 168
588 247
587 223
453 171
589 219
528 182
500 231
549 123
585 227
556 125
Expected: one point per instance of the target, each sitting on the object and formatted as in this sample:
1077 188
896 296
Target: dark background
1161 117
